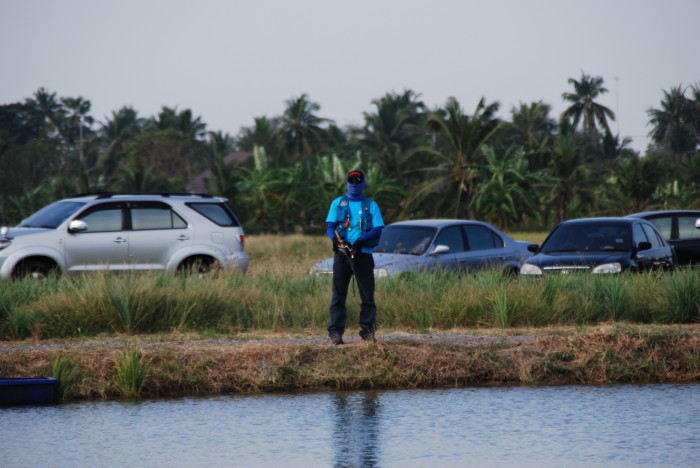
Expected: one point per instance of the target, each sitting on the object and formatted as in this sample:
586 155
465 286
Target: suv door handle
183 238
119 240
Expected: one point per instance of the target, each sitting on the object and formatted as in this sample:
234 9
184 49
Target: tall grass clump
130 372
612 296
16 321
682 292
64 371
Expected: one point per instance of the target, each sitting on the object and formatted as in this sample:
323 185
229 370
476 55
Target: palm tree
584 107
460 138
170 119
568 173
673 124
46 108
635 183
506 192
301 129
395 127
263 134
79 127
124 126
532 128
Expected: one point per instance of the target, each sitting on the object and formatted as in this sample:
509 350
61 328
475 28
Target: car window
577 237
687 229
481 238
651 235
638 234
215 212
663 225
143 218
412 240
451 237
103 220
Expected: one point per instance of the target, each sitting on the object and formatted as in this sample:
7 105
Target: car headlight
380 273
608 268
5 243
528 269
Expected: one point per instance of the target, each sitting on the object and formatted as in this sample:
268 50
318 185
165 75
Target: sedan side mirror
697 223
644 246
77 225
533 248
440 249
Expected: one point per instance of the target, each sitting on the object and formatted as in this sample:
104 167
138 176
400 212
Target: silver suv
125 231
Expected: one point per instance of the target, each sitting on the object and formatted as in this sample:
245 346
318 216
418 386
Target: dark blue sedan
601 245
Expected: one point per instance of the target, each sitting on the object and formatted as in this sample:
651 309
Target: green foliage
65 372
445 162
130 372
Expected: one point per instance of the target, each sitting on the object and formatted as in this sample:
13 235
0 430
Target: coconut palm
584 106
301 129
395 128
673 124
123 126
506 192
568 174
170 119
450 164
46 107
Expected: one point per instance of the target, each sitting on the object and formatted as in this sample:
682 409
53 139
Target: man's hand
357 246
336 246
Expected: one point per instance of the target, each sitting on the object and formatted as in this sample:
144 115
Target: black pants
342 275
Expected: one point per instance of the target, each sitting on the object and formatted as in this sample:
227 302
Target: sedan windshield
52 216
411 240
589 237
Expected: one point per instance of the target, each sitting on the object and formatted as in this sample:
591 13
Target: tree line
526 172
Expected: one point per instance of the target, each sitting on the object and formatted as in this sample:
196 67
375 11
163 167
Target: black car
601 245
681 228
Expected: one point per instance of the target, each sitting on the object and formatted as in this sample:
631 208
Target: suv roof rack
162 194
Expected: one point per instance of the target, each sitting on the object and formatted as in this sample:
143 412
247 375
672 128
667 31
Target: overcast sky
231 61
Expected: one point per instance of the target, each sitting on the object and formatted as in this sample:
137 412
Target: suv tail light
241 239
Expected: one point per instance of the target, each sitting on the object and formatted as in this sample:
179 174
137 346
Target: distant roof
199 183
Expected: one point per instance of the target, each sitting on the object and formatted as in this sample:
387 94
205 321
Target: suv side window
481 238
106 217
215 212
146 216
664 225
686 228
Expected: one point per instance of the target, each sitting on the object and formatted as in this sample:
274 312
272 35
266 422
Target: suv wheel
200 266
37 269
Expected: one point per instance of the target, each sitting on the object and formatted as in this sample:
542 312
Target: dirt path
397 337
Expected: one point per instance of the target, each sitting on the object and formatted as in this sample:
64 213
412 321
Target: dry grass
597 355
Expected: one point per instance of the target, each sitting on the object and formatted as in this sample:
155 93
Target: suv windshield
587 237
412 240
53 215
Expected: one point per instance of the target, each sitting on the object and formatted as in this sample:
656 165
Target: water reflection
528 427
356 429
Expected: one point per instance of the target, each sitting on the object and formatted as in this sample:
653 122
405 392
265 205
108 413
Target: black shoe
369 337
336 339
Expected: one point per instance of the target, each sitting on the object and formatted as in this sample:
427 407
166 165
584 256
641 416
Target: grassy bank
107 336
147 368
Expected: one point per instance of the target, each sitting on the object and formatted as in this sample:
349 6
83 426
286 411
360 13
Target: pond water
612 426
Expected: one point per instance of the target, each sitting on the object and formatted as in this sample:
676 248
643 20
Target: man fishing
354 226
